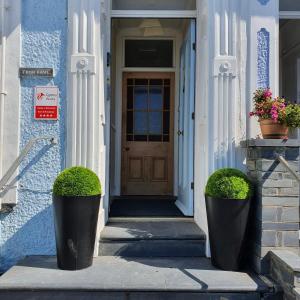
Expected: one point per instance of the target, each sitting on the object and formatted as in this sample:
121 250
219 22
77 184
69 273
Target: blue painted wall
29 228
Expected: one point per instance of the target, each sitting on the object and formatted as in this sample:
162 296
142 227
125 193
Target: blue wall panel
29 228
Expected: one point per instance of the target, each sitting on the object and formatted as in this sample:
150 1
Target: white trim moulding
289 15
187 14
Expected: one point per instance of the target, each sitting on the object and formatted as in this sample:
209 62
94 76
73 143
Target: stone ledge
36 273
270 143
288 258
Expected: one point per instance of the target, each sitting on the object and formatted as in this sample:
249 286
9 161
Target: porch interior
146 225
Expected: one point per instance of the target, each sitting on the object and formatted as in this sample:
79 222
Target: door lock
180 132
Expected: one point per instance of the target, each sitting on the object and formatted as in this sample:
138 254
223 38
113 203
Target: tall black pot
75 220
227 222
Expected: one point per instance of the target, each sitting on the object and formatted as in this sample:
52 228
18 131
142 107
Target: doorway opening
152 116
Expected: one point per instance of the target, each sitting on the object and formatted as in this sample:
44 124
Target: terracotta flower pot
273 130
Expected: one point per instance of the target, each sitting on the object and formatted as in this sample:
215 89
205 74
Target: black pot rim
90 196
229 199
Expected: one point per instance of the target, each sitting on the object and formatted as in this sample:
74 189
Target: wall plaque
46 102
38 72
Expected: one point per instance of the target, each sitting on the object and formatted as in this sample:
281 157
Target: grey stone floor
123 274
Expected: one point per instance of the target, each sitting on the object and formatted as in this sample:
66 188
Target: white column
221 95
86 90
227 114
83 100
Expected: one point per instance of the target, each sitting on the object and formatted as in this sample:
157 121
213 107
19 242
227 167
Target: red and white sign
46 102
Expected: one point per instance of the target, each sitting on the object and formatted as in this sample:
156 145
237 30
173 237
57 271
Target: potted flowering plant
271 114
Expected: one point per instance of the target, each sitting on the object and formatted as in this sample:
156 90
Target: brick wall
274 218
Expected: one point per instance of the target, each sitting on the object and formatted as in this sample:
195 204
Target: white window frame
159 14
289 15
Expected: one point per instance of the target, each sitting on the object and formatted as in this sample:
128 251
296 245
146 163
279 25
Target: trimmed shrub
229 184
77 181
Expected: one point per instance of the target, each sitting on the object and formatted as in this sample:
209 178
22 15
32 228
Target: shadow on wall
32 162
29 239
18 237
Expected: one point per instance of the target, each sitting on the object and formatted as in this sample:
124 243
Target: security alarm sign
46 102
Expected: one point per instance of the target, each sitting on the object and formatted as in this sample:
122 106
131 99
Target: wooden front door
147 133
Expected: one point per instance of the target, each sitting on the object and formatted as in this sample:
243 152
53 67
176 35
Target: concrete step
285 270
116 278
152 237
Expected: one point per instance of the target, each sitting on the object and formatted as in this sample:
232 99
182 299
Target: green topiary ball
229 184
77 181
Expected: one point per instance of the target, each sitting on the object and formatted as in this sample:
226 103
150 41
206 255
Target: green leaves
229 184
77 181
293 115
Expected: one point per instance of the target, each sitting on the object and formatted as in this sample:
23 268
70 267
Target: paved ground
120 274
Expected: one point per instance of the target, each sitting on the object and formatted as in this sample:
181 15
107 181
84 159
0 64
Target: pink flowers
267 93
267 108
274 113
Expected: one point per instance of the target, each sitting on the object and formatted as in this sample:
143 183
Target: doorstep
37 277
152 237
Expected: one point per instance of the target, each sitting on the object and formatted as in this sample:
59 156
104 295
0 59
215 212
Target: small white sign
46 102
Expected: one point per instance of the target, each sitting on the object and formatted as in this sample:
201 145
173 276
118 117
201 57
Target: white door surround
226 75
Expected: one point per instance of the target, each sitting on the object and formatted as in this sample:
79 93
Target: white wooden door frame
185 200
118 87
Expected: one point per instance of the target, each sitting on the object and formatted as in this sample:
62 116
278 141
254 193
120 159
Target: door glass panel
148 110
166 97
166 122
140 97
155 82
129 122
140 123
129 97
156 98
155 122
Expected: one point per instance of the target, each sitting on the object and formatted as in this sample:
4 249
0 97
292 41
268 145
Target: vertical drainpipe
3 92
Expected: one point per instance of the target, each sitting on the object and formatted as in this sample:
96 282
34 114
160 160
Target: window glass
290 60
154 5
289 5
149 53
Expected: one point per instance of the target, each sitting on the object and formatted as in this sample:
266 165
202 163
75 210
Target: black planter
227 222
75 220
